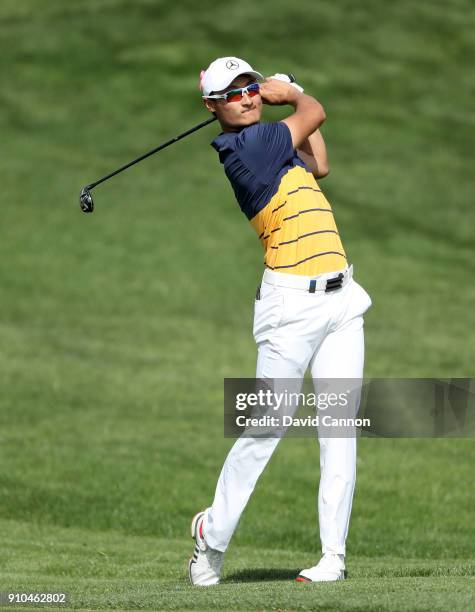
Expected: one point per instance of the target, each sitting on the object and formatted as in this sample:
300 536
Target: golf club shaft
159 148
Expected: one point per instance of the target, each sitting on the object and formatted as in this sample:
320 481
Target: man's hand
278 93
286 78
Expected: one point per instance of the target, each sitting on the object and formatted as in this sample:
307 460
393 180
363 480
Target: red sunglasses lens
237 97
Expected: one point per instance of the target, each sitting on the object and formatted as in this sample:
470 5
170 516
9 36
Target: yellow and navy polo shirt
280 197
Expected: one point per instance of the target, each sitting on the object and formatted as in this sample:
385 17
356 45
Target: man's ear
211 106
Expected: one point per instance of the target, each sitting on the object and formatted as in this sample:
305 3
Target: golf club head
85 200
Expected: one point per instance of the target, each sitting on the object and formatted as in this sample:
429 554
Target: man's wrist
294 96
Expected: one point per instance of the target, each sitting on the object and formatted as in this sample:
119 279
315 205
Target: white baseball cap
222 72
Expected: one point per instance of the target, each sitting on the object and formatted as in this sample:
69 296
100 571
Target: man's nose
246 99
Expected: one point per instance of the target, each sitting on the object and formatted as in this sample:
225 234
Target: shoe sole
301 578
194 522
190 563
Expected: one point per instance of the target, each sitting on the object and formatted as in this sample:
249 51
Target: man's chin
243 120
250 117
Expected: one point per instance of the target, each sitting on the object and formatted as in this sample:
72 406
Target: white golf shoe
329 568
204 567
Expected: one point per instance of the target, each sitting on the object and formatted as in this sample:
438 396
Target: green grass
111 570
117 329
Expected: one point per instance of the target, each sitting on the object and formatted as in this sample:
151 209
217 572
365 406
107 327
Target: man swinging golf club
308 310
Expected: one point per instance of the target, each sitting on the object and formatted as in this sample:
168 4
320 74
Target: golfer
308 311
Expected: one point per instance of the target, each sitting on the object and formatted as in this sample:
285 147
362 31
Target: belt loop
312 286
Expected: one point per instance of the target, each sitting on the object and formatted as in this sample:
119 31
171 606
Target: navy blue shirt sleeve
265 148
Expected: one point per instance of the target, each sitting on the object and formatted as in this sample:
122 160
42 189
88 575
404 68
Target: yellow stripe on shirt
297 228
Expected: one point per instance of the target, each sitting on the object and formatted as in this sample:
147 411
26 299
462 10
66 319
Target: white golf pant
295 330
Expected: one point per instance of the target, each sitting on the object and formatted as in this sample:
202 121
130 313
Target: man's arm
314 153
308 116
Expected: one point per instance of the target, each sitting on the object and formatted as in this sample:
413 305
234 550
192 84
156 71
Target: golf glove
285 78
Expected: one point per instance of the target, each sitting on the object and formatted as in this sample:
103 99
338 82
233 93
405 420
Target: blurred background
117 328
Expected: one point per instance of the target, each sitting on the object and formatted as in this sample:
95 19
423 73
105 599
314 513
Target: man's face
235 115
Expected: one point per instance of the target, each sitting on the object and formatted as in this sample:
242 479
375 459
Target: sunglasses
236 95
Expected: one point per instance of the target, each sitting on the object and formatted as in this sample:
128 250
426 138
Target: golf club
85 198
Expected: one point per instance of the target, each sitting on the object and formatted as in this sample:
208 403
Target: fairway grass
115 571
118 328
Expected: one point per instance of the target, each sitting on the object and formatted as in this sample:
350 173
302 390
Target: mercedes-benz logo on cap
232 65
